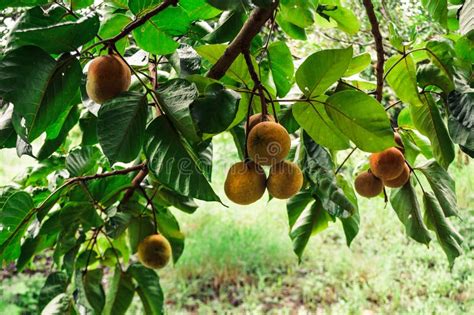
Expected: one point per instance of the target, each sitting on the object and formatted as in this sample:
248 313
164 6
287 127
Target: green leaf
318 167
51 145
444 187
438 9
358 63
291 29
300 13
47 93
92 282
120 294
400 72
431 75
296 205
80 212
55 284
110 27
21 3
139 228
166 198
312 221
345 18
215 110
362 119
227 28
176 96
7 132
53 30
121 126
169 227
174 163
461 118
350 224
447 236
322 69
281 65
313 118
139 7
60 305
199 9
148 289
16 211
80 4
237 71
428 121
404 202
83 161
88 124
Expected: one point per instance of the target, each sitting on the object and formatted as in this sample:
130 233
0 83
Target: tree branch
369 8
242 41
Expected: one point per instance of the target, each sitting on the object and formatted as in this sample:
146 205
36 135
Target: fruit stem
256 80
247 126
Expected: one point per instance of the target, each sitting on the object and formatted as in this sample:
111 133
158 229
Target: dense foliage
201 68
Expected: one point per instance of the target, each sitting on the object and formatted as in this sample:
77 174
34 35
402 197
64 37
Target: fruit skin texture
154 251
245 183
268 143
387 164
399 181
257 118
107 77
367 185
285 180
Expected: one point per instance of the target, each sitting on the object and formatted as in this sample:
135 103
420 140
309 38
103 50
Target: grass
240 260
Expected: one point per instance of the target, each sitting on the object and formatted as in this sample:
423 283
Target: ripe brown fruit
268 143
256 119
245 183
387 164
154 251
367 185
107 77
399 181
285 180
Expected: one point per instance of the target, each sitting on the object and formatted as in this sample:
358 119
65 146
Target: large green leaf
139 228
350 224
174 163
312 220
166 198
199 9
237 71
175 97
297 204
121 126
21 3
345 18
431 75
404 202
447 236
428 121
92 282
281 64
362 119
318 167
444 187
313 118
139 7
148 289
55 284
16 211
300 13
169 227
216 109
438 9
120 293
47 93
358 63
227 28
53 30
83 161
322 69
400 72
461 118
292 30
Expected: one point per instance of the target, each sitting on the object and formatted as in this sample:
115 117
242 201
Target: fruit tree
147 84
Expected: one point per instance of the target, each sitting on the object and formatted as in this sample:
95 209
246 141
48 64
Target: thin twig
345 160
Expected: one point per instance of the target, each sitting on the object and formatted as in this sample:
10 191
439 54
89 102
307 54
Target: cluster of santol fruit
387 168
268 144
